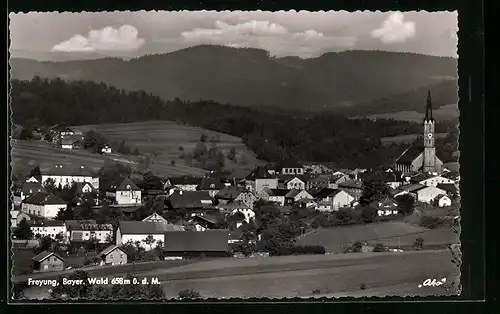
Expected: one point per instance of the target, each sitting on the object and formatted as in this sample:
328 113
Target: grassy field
163 140
448 112
405 138
297 276
392 234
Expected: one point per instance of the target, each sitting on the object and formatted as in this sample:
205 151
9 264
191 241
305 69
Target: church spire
428 108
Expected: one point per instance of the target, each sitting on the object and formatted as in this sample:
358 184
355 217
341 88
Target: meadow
392 234
165 141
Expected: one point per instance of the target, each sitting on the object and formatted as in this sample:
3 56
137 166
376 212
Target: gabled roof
188 199
441 196
44 255
81 185
143 227
326 192
127 185
230 192
413 151
288 177
185 180
155 217
197 241
292 193
37 178
44 198
412 187
210 184
32 187
448 187
110 249
421 177
65 170
289 163
205 217
279 192
259 173
350 184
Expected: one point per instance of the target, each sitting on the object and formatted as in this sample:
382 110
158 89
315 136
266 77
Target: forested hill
250 77
270 134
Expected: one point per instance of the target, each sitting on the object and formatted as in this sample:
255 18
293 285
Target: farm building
113 255
66 175
259 179
47 261
49 228
190 244
140 230
43 204
85 231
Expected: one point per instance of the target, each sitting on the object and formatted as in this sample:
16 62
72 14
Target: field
448 112
163 139
392 234
405 138
297 276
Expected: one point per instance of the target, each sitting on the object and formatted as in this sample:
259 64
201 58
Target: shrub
369 214
418 245
363 286
189 294
379 247
316 291
302 250
431 222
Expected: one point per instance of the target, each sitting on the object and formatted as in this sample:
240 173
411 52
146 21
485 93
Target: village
185 217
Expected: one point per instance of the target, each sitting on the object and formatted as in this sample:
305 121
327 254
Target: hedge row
302 250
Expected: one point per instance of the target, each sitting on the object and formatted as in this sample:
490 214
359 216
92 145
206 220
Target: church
421 155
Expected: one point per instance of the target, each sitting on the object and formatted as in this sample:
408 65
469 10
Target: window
110 256
45 266
121 255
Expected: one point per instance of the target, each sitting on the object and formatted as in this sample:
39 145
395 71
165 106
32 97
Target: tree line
271 134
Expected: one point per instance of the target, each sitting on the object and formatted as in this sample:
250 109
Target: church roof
412 152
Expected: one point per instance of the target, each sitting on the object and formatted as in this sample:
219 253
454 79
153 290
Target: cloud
394 29
107 39
273 37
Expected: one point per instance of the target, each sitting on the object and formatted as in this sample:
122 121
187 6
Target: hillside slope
250 77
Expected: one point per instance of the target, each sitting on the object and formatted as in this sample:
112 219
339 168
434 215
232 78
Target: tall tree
23 230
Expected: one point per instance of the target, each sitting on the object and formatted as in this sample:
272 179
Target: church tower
429 162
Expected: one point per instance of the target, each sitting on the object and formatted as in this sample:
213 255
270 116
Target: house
354 188
306 203
336 198
443 200
43 204
450 188
87 231
435 180
17 217
291 182
336 178
47 261
106 149
138 231
128 193
84 188
185 183
48 228
155 217
34 179
203 222
66 175
387 207
259 179
190 200
30 188
290 166
231 194
318 182
238 207
113 255
189 244
278 196
296 195
212 185
427 194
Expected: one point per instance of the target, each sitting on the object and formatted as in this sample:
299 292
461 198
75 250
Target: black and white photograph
193 155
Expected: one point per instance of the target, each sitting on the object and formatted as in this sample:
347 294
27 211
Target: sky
52 35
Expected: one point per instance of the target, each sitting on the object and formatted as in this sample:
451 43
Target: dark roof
412 152
144 227
32 187
420 177
413 187
325 192
188 199
287 177
207 218
126 185
197 241
350 184
279 192
289 163
186 180
259 173
110 249
292 193
44 255
441 196
60 170
48 223
44 198
448 187
70 224
230 192
210 184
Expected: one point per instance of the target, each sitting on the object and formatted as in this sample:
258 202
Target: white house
336 198
295 183
247 212
296 195
49 228
443 201
106 150
428 194
259 179
155 217
127 193
307 203
43 204
66 175
86 231
140 230
290 167
435 180
278 196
